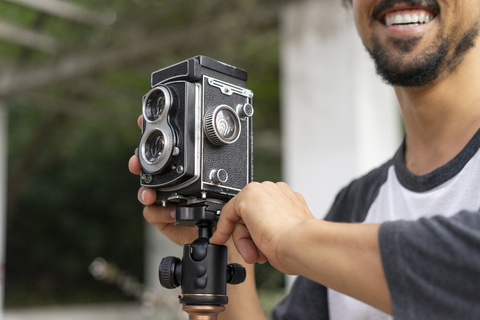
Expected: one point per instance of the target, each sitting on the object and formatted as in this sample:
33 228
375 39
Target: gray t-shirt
392 193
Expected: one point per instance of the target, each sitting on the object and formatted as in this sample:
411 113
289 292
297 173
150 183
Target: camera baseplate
198 212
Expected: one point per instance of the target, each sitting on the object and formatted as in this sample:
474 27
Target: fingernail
143 196
172 213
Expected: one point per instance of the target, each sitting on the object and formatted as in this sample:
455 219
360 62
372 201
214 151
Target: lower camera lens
154 146
156 101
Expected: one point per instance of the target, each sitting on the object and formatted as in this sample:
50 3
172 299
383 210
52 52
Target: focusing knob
236 273
170 272
222 125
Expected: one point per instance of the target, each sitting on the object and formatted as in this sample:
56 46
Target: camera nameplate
228 88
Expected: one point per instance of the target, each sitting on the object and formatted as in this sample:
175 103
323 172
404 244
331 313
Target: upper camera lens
156 101
154 146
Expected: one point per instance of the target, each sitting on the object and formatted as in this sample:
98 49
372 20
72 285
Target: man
425 268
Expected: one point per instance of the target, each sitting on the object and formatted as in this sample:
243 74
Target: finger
226 224
284 188
158 215
140 121
244 243
261 257
147 196
134 165
300 196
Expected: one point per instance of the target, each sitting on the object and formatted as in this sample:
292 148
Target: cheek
363 31
361 16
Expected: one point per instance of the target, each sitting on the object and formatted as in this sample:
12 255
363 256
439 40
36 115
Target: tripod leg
202 312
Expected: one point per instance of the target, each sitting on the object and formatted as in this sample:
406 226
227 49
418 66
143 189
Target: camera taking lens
154 146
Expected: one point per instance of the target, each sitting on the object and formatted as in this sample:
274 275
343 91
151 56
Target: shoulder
352 202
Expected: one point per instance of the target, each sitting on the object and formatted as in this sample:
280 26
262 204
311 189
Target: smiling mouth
407 18
405 13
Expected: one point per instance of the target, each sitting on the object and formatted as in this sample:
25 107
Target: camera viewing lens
154 146
156 101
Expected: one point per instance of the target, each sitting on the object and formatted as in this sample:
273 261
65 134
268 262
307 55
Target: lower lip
407 31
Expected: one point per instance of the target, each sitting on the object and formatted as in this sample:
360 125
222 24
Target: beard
442 57
417 71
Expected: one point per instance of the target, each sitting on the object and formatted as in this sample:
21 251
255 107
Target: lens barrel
156 103
154 146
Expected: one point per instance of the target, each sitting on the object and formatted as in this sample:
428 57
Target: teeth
398 19
408 20
421 17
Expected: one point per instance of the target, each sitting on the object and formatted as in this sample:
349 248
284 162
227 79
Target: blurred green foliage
70 195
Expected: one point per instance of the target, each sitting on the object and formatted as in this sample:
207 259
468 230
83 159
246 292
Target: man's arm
341 256
270 221
432 266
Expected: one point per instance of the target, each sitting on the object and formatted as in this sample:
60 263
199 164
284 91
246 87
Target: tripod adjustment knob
170 272
236 273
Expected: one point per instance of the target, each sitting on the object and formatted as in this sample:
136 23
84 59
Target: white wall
339 120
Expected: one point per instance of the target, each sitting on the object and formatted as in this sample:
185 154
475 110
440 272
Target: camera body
197 141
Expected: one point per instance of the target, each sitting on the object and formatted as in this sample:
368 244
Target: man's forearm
344 257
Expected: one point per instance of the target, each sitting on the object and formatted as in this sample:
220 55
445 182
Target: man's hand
261 219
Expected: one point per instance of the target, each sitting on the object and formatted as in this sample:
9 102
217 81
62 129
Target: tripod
203 272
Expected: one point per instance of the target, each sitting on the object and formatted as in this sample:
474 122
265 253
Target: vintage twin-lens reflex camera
196 141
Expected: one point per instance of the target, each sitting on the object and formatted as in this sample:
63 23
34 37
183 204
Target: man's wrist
292 248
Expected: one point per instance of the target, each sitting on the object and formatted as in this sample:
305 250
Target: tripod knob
236 273
170 272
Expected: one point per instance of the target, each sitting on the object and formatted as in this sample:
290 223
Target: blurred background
72 75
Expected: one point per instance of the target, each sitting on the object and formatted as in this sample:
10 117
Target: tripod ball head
203 273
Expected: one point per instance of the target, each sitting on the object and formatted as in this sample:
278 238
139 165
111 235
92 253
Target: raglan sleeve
432 266
306 300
